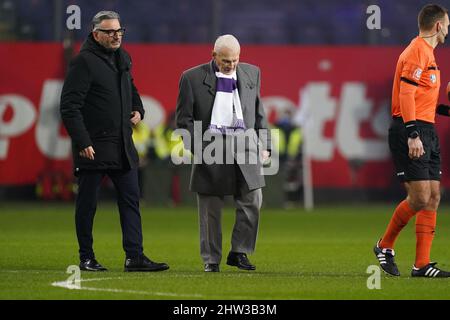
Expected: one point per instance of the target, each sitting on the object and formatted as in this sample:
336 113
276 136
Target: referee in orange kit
415 145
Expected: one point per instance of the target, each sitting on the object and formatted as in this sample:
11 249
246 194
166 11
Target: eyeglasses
112 33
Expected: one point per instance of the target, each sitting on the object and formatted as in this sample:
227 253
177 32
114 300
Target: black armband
443 110
411 129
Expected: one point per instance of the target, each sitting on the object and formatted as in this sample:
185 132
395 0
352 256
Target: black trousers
127 187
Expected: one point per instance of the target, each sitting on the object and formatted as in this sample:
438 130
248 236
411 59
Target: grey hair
103 15
227 41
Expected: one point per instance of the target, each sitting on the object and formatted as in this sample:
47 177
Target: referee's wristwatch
414 134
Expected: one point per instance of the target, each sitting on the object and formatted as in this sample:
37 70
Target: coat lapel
244 84
210 80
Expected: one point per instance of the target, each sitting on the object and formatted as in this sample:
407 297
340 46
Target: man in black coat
99 105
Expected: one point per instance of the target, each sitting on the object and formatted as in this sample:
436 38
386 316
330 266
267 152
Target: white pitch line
71 286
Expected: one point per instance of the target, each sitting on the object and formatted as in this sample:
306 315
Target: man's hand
443 110
87 153
135 117
415 148
265 155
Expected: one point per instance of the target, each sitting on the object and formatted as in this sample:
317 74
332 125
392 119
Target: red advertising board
347 90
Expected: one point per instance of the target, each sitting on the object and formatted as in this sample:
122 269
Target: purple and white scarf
227 115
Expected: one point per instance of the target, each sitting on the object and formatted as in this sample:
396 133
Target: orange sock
402 214
425 226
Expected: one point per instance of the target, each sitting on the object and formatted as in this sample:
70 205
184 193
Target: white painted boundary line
71 286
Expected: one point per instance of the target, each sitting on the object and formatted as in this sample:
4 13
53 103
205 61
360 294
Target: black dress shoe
143 264
212 267
240 260
91 265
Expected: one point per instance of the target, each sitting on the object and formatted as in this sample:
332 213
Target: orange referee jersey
417 80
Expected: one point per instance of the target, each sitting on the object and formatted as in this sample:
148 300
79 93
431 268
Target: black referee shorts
428 166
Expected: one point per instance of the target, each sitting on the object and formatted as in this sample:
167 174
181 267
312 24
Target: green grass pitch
299 255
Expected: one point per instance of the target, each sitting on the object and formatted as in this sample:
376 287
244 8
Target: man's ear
95 35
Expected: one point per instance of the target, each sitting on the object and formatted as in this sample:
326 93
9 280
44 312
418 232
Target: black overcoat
97 99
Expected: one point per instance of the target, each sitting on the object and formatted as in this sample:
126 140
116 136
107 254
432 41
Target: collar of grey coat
243 79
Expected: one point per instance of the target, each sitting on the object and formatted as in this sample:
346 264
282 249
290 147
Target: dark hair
103 15
429 15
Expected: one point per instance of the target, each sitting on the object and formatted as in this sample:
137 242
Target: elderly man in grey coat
219 105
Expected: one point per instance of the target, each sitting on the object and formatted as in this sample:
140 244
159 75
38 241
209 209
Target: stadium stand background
305 22
297 23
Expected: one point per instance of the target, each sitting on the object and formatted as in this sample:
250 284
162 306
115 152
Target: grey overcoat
197 89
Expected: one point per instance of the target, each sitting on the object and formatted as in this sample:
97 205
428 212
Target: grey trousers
245 230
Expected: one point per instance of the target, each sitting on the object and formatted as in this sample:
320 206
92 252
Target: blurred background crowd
321 49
